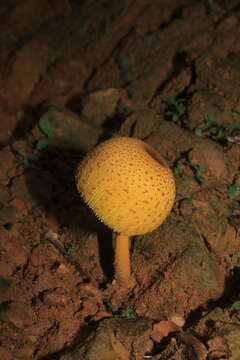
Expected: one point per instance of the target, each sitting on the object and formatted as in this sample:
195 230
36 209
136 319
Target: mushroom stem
122 260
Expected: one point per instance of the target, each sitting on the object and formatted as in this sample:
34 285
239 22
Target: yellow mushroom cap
127 184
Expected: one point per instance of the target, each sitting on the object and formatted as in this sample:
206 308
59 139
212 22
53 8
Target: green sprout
217 132
199 131
46 126
236 305
232 190
174 108
208 118
27 159
233 126
214 131
47 129
236 114
212 8
70 249
126 314
198 168
177 169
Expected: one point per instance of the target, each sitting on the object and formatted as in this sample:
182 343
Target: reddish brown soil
96 69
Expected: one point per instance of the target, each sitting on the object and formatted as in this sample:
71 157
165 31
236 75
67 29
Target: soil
73 73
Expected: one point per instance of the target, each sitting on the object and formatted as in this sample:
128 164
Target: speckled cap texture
127 184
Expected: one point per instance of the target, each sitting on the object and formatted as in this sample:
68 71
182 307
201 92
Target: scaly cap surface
127 184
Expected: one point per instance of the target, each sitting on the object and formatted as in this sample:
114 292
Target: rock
115 339
140 124
177 319
214 318
222 74
184 275
213 161
210 220
218 348
231 334
62 269
205 103
70 131
100 105
162 329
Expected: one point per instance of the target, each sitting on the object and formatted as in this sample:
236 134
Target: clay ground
73 73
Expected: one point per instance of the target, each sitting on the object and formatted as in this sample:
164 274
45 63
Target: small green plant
174 108
112 308
70 249
232 190
47 129
217 132
27 159
212 130
198 168
177 169
126 314
236 305
212 8
208 118
236 114
233 126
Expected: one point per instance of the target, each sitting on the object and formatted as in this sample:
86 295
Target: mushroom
130 188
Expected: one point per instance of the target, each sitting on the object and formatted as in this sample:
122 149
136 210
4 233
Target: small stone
163 329
177 319
33 338
100 105
62 269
